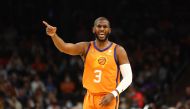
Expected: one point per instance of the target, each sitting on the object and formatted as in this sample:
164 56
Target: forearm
64 47
127 78
58 42
68 48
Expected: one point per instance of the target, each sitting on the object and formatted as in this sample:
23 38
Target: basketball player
103 62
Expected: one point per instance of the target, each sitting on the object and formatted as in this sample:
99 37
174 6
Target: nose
101 28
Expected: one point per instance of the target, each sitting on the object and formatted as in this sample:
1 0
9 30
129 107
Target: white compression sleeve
127 77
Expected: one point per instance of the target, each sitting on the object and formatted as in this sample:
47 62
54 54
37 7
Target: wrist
53 36
115 93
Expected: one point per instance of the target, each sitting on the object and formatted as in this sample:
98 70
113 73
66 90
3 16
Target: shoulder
83 43
121 54
119 49
84 46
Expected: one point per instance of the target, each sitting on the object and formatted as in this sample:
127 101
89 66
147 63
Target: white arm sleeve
127 77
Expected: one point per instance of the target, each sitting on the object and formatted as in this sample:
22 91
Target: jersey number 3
98 75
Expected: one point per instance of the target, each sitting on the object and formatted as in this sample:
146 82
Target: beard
102 40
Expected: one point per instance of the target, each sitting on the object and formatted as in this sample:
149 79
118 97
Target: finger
45 23
102 102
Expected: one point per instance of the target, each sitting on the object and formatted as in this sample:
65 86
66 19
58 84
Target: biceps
122 57
73 49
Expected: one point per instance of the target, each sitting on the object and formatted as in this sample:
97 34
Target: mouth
101 35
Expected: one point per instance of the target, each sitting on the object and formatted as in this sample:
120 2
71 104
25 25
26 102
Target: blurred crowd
35 75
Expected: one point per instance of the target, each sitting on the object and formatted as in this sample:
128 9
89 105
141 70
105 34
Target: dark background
155 34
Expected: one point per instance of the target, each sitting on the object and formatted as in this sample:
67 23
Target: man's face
102 30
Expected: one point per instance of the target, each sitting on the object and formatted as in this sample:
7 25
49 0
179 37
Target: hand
50 30
106 99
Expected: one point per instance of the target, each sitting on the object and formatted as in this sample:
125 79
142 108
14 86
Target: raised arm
61 45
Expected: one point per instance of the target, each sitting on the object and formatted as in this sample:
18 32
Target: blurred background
35 75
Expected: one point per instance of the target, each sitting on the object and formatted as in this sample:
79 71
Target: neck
102 44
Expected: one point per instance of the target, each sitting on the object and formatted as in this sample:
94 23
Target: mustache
96 36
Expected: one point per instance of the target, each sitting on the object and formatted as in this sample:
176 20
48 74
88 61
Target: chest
96 58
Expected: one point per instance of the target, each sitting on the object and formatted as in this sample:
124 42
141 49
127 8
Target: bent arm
125 69
127 77
68 48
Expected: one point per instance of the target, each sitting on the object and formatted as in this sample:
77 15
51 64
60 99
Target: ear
110 31
93 30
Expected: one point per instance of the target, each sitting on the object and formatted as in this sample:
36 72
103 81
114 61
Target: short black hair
101 18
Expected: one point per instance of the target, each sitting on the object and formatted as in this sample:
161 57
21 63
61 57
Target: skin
101 30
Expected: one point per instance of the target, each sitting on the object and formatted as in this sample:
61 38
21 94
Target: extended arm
61 45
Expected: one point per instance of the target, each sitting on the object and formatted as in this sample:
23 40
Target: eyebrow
96 22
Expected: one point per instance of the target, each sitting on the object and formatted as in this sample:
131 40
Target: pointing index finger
45 23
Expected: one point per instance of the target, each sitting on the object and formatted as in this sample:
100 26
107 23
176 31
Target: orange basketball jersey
101 72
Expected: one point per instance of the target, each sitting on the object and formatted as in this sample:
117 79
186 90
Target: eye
99 26
102 26
105 26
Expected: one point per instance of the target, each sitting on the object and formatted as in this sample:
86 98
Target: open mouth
102 34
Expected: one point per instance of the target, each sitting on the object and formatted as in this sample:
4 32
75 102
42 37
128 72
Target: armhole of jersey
117 64
87 51
115 56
